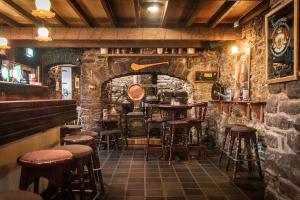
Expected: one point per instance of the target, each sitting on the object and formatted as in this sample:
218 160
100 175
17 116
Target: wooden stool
89 141
110 137
154 123
82 156
174 143
21 195
51 164
68 129
248 135
228 128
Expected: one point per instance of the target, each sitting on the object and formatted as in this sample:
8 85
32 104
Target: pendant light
3 43
43 35
43 9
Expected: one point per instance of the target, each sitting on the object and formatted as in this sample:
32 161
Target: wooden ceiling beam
221 13
60 19
80 12
26 14
193 13
151 34
166 11
9 21
257 10
137 12
106 4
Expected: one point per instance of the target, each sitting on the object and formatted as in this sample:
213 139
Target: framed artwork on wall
282 42
206 76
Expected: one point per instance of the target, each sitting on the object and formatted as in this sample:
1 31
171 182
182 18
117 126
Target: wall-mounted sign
206 76
29 52
282 35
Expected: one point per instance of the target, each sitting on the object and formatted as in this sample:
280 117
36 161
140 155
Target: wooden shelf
149 55
246 107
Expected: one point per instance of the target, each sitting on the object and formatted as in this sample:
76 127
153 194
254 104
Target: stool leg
148 143
237 157
107 142
249 153
80 170
231 143
36 184
257 157
171 143
97 170
91 175
223 147
24 179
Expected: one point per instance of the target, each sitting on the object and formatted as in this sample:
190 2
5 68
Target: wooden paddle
137 67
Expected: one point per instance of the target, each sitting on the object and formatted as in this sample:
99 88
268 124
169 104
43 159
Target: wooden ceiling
131 13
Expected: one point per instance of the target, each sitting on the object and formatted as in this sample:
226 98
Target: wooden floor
128 176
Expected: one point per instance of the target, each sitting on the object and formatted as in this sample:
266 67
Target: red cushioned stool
51 164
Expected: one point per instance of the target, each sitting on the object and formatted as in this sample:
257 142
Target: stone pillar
282 174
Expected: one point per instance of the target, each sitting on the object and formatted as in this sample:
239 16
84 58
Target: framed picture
282 36
242 74
206 76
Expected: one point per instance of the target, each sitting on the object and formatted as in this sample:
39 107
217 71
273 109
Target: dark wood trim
80 12
26 14
60 19
108 43
257 10
106 4
137 12
163 19
193 13
19 119
10 21
221 13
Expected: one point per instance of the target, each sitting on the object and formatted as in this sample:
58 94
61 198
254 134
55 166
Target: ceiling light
43 9
153 8
43 35
234 50
3 43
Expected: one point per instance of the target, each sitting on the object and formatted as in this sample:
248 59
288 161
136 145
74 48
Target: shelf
246 107
149 55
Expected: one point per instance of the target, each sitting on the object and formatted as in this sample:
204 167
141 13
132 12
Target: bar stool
154 123
89 141
68 129
82 156
248 135
15 195
109 137
175 142
226 133
51 164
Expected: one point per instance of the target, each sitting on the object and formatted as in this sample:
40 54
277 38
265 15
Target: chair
196 122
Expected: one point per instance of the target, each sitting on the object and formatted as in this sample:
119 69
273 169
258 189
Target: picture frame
282 43
206 76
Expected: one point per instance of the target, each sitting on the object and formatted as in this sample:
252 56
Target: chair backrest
200 110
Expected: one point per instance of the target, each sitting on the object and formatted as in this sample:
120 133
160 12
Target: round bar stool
248 135
89 141
228 128
68 129
23 195
51 164
179 140
110 137
82 156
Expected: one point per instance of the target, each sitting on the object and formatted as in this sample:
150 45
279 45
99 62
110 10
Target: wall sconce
234 50
43 35
3 43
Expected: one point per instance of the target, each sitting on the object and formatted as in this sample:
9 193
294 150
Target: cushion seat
177 122
111 132
77 150
45 157
21 195
233 125
242 129
89 133
78 139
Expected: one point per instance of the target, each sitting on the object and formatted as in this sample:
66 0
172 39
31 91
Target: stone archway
97 69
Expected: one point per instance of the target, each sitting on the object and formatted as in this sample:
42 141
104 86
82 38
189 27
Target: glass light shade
153 9
43 32
234 50
3 43
43 5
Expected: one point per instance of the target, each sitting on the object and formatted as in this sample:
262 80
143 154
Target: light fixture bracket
43 38
43 13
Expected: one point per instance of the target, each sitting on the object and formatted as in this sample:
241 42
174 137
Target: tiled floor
128 176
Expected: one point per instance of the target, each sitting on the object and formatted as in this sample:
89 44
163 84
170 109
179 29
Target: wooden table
174 110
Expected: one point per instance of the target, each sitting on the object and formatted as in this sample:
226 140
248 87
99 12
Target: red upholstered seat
78 139
49 156
77 150
19 195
